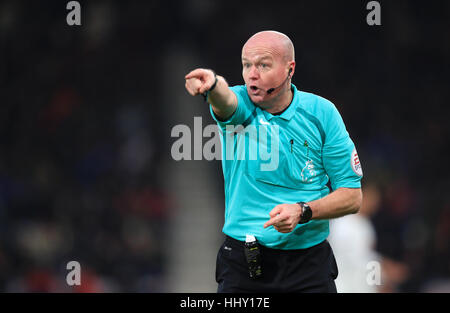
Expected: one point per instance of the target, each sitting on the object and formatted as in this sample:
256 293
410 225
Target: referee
276 221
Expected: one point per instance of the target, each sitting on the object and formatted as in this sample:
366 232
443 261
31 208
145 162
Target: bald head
277 42
267 68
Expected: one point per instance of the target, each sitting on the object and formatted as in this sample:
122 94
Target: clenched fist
199 81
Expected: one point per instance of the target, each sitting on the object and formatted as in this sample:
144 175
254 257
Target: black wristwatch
306 215
206 93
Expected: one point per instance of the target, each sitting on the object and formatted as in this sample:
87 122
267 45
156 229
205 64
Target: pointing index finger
274 220
195 73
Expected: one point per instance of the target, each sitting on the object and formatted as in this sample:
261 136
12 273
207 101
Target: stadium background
86 114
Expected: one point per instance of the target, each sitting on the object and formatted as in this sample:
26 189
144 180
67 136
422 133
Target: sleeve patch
356 164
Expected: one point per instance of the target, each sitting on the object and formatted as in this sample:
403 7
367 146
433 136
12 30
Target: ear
291 69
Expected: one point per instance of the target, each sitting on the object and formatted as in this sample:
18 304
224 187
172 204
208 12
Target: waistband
234 242
240 244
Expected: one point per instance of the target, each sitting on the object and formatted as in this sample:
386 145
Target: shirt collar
289 113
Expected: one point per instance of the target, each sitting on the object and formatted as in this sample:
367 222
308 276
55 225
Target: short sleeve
340 158
244 108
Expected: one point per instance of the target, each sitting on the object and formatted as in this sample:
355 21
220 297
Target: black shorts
306 270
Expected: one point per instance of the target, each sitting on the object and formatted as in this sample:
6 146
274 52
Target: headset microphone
269 91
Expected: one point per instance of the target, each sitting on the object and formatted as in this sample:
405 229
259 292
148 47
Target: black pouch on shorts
253 256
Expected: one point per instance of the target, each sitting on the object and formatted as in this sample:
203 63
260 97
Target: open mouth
254 88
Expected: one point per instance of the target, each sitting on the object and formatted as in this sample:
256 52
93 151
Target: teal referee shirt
286 158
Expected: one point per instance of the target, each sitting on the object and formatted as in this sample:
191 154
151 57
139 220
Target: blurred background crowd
85 130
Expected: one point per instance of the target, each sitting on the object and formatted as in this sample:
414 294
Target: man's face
263 68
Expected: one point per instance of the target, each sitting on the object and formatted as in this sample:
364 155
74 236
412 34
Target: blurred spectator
353 240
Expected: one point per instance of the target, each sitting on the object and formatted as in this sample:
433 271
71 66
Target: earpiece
287 78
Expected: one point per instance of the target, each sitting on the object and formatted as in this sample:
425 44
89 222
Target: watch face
306 214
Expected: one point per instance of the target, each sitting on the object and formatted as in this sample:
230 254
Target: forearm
342 201
222 99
